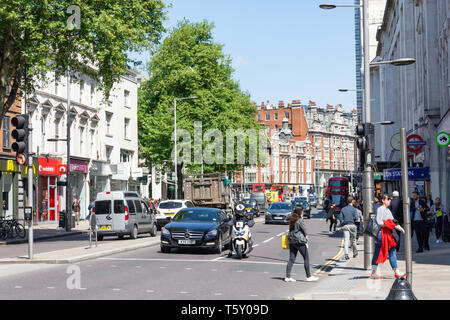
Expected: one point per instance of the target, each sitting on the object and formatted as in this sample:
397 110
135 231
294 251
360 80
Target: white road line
255 245
18 287
265 241
115 289
50 287
280 234
150 291
219 258
217 294
184 292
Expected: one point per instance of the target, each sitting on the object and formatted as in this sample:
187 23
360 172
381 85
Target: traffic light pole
68 187
368 181
30 191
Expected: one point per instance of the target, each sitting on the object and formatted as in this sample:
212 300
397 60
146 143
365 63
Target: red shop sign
49 166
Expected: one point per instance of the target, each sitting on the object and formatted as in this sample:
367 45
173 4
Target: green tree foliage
189 63
41 35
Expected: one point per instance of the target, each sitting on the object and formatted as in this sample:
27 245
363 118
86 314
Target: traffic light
366 139
20 134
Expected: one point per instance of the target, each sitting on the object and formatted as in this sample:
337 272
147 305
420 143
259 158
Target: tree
91 37
189 63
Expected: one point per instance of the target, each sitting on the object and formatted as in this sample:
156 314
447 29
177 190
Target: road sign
411 143
21 159
443 139
395 141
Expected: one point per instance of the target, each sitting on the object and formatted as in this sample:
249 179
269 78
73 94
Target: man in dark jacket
396 208
419 216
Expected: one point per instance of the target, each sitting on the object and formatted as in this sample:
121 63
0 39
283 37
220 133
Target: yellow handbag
285 241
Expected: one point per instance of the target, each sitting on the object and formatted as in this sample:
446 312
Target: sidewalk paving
350 281
44 231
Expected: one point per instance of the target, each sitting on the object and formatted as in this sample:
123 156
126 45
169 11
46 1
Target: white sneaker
438 241
290 280
312 278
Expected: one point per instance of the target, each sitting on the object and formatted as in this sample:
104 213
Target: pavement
340 280
348 280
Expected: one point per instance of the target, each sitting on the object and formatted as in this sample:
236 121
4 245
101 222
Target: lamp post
175 138
368 180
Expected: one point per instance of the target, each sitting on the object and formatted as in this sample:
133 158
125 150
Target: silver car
120 213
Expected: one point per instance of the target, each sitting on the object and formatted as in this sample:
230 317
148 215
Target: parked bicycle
11 229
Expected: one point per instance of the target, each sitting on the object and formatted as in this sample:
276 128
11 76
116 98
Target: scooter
241 238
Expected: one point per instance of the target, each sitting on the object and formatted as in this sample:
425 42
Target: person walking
298 242
385 242
419 211
437 212
429 201
347 219
396 208
359 223
331 216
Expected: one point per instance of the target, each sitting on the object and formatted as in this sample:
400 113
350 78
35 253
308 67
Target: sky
281 50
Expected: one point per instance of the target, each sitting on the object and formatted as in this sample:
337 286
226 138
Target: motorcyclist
240 214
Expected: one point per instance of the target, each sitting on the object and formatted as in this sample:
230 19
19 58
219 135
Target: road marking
18 287
265 241
188 268
138 267
150 291
256 245
51 288
217 294
219 258
184 292
280 234
336 258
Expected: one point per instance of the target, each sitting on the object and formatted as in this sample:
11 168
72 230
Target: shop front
80 185
99 178
49 194
9 176
418 178
120 177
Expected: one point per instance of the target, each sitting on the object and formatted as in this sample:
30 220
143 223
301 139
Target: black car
251 207
205 228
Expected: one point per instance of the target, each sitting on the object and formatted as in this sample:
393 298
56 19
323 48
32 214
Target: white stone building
104 146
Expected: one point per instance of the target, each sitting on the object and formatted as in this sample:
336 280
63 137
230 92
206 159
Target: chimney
281 104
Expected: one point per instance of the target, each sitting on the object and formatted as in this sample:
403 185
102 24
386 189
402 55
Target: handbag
372 228
285 241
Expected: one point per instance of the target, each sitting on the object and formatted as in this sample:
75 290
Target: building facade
103 141
415 97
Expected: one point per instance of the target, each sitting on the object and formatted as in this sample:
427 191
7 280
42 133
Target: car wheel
165 249
134 233
219 246
153 230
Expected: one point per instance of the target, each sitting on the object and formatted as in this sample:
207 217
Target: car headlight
165 232
212 233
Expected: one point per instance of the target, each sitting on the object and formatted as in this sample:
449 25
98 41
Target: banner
413 173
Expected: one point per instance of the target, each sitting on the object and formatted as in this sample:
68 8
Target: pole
176 151
68 187
368 173
406 217
30 177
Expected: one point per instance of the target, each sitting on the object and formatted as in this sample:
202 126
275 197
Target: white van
168 208
122 213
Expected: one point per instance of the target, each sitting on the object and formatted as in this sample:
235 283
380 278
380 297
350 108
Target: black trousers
422 234
293 249
439 225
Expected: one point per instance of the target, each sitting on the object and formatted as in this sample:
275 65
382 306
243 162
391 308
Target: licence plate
186 241
169 214
278 218
104 228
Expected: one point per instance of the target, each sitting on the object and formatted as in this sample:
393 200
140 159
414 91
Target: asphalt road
179 275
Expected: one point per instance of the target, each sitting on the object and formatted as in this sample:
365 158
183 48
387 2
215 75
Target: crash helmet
240 210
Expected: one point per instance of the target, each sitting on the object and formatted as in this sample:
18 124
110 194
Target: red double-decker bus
259 187
281 189
337 191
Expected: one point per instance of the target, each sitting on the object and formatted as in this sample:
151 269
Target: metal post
368 182
406 217
68 186
176 151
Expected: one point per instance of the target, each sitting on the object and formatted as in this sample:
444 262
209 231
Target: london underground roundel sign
414 143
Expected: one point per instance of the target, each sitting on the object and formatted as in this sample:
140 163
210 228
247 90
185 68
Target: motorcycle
241 238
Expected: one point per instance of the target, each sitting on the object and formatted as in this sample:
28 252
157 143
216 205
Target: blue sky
281 50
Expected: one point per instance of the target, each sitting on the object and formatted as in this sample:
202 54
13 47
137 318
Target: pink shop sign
79 166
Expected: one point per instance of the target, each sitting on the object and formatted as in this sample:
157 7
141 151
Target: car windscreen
102 207
248 201
285 206
196 216
170 205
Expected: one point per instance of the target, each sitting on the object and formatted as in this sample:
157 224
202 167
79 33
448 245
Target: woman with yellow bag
298 242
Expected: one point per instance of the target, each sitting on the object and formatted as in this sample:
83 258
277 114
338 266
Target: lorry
208 190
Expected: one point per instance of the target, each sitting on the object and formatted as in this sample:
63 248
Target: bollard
401 290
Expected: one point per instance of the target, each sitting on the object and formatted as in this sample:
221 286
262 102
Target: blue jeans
392 253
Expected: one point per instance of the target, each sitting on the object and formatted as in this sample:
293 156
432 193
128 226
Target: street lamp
396 62
346 90
175 137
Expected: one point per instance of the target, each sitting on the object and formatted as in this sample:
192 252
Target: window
276 116
286 115
92 99
6 133
108 153
126 130
57 122
130 205
125 156
138 205
43 140
92 135
259 117
126 96
267 117
108 123
81 91
268 129
118 207
81 140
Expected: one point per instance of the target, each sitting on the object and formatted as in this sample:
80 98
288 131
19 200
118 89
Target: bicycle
12 229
